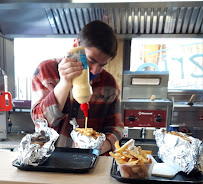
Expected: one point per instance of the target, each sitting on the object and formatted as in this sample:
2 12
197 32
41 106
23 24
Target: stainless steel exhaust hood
133 19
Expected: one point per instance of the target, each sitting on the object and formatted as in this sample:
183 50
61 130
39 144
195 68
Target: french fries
117 146
132 161
89 132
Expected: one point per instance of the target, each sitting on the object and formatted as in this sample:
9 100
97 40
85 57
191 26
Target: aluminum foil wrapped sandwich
89 138
179 150
35 148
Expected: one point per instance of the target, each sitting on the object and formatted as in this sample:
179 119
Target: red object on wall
3 105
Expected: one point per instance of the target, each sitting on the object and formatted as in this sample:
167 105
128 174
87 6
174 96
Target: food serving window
182 58
28 53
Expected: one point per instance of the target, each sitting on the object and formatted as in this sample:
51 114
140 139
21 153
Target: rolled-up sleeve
44 103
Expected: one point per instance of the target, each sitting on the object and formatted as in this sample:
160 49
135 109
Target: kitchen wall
115 67
7 60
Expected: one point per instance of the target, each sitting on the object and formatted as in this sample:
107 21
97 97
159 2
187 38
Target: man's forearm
61 92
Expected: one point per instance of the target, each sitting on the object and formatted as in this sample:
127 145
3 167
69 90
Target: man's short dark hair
100 35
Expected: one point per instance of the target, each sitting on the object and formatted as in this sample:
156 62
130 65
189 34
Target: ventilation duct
126 19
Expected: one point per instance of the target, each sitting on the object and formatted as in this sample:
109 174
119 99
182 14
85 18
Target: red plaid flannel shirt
103 116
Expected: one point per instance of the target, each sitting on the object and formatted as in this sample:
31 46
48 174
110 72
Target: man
52 84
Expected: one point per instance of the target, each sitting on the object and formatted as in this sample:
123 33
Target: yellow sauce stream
86 118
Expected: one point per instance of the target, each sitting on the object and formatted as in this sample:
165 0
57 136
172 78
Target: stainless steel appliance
189 118
145 105
3 114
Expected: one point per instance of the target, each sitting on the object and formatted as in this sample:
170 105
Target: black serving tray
180 178
65 160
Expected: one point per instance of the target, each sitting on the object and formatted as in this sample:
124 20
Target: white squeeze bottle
82 90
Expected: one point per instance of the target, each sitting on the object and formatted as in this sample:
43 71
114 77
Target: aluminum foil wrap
35 148
84 141
178 152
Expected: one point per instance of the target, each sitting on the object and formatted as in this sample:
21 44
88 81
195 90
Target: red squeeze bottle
84 107
81 90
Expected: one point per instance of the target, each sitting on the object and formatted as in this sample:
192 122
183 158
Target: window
182 58
28 53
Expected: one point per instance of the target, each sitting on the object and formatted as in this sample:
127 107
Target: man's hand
106 147
68 69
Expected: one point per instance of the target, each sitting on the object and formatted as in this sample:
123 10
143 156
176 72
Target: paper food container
136 171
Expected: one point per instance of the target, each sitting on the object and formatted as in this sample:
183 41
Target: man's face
96 59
